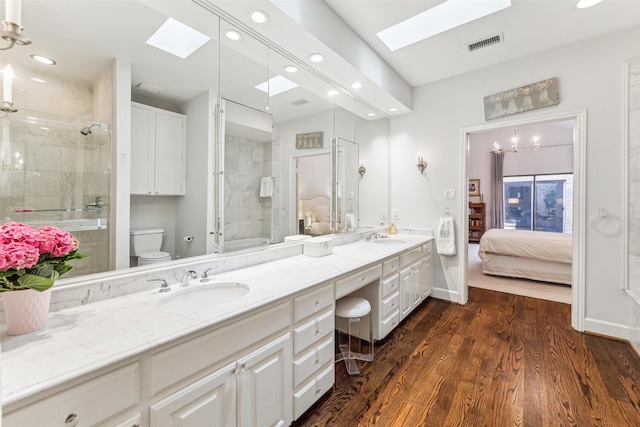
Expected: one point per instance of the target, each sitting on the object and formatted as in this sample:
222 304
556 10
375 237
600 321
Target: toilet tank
143 241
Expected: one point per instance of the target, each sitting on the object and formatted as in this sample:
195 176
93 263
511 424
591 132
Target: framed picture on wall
474 187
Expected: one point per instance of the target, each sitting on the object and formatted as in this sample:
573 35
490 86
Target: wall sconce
422 165
11 29
6 106
362 170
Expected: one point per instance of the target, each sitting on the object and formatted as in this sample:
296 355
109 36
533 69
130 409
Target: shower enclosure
54 174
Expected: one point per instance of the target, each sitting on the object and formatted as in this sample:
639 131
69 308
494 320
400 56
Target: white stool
353 308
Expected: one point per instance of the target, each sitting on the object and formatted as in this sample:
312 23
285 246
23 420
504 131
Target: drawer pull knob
318 391
243 366
318 332
71 420
364 278
317 303
317 361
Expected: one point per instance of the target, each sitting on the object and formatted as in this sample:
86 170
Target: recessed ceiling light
371 114
443 17
259 17
290 69
583 4
333 93
393 109
177 38
316 57
36 79
276 85
356 85
43 59
233 35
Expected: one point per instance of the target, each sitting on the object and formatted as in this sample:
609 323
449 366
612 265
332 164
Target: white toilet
146 245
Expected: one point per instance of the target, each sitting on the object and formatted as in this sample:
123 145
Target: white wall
372 138
590 75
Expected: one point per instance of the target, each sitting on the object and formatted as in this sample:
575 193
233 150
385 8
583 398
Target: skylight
276 85
445 16
177 38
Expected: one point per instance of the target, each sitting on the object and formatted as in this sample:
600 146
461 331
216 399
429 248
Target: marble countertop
82 339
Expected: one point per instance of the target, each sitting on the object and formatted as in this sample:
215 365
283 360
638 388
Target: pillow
320 213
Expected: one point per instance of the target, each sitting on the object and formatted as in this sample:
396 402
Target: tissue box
317 246
296 238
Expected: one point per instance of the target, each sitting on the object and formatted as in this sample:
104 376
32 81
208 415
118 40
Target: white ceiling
528 26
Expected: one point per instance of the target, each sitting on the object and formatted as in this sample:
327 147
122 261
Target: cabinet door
417 284
209 402
406 292
265 385
170 154
427 277
142 150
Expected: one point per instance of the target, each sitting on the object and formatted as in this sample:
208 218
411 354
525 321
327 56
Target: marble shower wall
247 215
47 164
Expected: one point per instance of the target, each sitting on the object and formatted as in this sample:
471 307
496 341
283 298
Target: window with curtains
539 202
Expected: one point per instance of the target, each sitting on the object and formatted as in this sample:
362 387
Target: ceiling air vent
300 102
498 38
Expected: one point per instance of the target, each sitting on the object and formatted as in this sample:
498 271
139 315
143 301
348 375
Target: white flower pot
26 311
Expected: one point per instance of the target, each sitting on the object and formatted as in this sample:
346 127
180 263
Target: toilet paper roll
188 238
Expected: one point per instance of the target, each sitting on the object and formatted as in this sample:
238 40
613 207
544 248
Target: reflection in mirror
99 65
345 205
248 184
313 189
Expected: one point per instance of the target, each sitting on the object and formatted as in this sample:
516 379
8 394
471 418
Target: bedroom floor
528 288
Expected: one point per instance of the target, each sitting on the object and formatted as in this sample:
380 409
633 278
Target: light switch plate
396 214
449 193
384 214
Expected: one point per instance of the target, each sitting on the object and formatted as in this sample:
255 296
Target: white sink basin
202 298
386 241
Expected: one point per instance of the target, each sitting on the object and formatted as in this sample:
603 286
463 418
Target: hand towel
350 221
446 242
266 186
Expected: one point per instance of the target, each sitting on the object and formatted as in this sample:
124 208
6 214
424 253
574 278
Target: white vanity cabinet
410 281
247 380
313 364
110 399
158 151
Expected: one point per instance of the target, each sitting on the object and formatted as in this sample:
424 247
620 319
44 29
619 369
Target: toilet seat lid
155 255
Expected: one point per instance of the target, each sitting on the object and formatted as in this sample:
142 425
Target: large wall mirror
55 174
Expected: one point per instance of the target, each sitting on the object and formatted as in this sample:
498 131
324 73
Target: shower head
87 130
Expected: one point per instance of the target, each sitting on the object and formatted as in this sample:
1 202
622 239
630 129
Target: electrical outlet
396 214
450 193
384 214
349 195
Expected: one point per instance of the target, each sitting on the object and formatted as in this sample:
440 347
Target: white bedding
534 255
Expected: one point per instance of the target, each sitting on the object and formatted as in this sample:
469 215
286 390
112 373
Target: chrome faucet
164 286
205 274
372 236
186 276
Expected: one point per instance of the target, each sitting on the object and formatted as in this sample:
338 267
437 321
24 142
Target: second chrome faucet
188 275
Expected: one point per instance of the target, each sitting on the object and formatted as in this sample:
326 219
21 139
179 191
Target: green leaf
37 283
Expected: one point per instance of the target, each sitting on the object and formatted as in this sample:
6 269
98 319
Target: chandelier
515 146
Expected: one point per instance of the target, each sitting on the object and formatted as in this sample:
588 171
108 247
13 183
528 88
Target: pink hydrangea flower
18 255
18 232
56 241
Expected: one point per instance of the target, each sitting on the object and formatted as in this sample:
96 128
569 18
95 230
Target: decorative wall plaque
309 140
525 98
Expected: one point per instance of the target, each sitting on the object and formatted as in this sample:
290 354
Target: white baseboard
611 329
446 294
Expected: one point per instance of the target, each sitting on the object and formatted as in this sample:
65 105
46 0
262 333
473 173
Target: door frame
579 203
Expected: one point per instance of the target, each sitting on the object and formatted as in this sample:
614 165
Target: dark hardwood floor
500 360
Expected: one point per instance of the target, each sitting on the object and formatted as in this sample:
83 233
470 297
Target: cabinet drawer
426 250
92 402
390 323
390 285
390 304
306 365
410 257
310 332
390 266
182 360
356 281
312 302
306 397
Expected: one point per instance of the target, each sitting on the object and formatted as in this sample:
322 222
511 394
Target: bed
317 209
534 255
